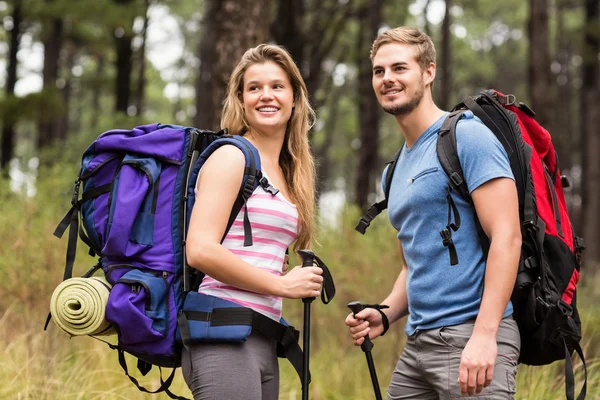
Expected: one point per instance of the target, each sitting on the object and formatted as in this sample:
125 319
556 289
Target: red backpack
544 296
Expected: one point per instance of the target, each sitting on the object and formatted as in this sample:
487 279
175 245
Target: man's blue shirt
440 294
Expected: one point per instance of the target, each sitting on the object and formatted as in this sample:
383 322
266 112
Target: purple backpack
138 192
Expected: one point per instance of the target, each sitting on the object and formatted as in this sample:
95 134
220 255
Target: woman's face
267 98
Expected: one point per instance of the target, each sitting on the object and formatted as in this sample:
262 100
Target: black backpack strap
377 208
447 153
328 291
164 384
569 375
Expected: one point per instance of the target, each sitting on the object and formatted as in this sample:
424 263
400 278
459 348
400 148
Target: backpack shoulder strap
253 178
378 207
447 152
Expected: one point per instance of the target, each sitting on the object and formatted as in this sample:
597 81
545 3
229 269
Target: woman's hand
300 283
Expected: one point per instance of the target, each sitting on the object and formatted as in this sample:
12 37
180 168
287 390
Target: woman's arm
218 186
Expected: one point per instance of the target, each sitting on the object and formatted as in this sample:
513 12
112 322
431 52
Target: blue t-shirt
440 294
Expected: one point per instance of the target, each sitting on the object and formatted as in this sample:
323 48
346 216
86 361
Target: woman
267 103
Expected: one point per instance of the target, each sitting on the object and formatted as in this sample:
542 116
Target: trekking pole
308 258
366 347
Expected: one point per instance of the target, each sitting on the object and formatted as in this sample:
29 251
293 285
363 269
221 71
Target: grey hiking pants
232 371
428 367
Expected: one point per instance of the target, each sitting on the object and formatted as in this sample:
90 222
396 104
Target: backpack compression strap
378 207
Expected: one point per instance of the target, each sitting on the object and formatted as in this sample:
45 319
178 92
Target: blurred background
72 69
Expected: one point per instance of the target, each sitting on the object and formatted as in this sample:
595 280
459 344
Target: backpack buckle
456 179
529 224
579 244
75 198
446 237
564 307
264 183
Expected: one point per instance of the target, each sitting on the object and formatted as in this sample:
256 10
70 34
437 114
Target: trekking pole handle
356 307
308 259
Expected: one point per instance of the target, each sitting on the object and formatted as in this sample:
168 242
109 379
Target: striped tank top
274 222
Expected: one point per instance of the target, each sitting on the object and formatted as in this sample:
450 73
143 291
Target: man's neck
414 124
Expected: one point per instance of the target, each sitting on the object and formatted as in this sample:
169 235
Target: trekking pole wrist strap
384 319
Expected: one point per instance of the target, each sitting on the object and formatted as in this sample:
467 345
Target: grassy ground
48 365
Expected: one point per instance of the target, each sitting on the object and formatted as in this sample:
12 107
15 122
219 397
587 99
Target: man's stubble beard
407 108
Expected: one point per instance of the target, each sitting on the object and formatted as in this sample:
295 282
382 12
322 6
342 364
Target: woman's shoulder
227 155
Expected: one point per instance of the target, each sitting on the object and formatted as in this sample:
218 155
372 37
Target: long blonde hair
295 158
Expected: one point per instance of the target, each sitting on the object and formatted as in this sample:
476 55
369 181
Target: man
462 340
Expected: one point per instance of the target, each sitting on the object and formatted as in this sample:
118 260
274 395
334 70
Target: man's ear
429 74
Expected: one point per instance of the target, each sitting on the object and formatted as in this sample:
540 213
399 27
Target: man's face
398 81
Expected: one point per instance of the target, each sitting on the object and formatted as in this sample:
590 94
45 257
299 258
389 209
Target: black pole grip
356 307
308 259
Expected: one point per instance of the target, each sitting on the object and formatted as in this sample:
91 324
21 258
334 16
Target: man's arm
369 321
496 204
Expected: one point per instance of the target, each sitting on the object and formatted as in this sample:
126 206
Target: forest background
70 70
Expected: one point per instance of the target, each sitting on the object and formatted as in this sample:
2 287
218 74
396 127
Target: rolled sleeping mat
78 306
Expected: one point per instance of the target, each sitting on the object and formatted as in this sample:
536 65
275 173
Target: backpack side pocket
133 204
138 306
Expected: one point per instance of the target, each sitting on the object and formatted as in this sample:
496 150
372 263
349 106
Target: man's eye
377 72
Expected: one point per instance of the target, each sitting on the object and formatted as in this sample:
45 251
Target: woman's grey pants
232 371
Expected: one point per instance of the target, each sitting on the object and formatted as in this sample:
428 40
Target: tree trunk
368 107
566 137
445 68
141 83
230 28
97 90
427 25
123 63
67 92
321 153
52 41
540 77
287 29
590 118
8 126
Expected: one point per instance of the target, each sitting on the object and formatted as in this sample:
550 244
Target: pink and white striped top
274 222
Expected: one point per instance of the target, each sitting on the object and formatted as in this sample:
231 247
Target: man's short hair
425 50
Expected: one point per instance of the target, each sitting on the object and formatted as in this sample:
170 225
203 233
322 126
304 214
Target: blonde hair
425 49
295 159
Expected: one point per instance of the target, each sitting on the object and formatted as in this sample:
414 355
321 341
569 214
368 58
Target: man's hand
477 363
366 322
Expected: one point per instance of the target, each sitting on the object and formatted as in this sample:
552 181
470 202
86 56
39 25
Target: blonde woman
267 103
